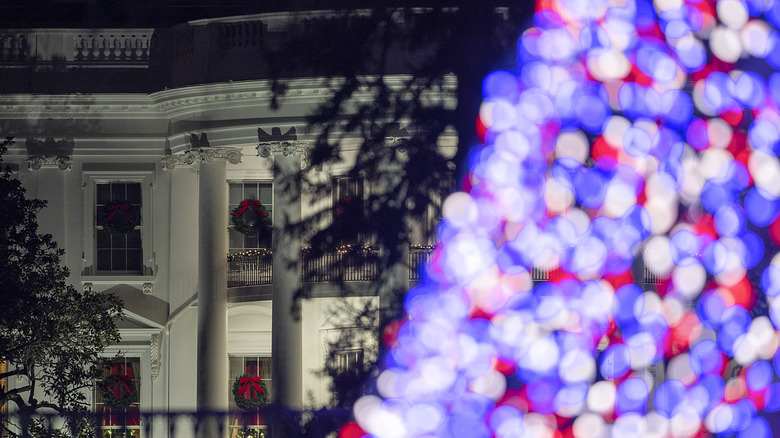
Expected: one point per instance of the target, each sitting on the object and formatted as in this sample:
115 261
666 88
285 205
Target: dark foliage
51 334
395 122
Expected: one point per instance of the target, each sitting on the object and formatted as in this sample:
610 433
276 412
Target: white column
286 341
212 287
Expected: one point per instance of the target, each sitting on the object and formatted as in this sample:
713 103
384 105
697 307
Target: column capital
197 156
286 145
37 162
286 148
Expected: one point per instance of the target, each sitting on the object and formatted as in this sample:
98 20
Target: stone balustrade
76 47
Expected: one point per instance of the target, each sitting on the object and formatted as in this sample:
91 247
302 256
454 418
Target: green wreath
249 392
120 217
118 391
250 217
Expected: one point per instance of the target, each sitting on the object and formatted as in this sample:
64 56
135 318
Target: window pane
250 367
236 365
118 240
234 194
236 239
250 191
134 260
118 260
103 239
134 239
266 194
103 193
265 242
104 260
134 193
118 192
250 241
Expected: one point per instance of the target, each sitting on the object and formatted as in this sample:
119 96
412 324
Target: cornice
304 91
180 102
78 106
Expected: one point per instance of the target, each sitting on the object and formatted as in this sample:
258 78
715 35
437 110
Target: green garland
247 384
250 217
120 217
118 391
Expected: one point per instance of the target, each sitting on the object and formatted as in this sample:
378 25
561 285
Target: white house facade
203 303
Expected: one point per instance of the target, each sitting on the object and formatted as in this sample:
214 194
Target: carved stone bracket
196 157
286 149
154 355
88 287
147 287
285 144
37 162
397 142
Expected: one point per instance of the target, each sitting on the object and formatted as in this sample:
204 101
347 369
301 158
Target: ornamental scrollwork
285 148
37 162
196 157
154 356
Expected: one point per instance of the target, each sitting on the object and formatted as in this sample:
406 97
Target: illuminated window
349 361
239 192
248 424
116 397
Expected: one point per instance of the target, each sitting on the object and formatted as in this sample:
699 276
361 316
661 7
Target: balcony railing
77 47
419 255
351 263
348 263
232 424
250 268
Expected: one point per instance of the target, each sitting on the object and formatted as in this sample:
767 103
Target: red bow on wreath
247 383
121 207
246 204
123 375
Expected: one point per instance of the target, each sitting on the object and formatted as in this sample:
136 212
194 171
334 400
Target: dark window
120 252
349 209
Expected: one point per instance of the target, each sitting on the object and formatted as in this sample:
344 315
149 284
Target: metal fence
276 423
250 269
342 265
418 257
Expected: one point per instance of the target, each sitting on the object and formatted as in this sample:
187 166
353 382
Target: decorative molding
147 287
154 355
285 144
37 162
397 142
88 287
395 136
66 47
285 148
103 282
196 157
49 146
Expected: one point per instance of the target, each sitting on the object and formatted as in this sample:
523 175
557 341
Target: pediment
140 308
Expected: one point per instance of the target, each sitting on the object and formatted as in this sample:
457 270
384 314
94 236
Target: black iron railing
419 255
250 268
348 263
234 424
